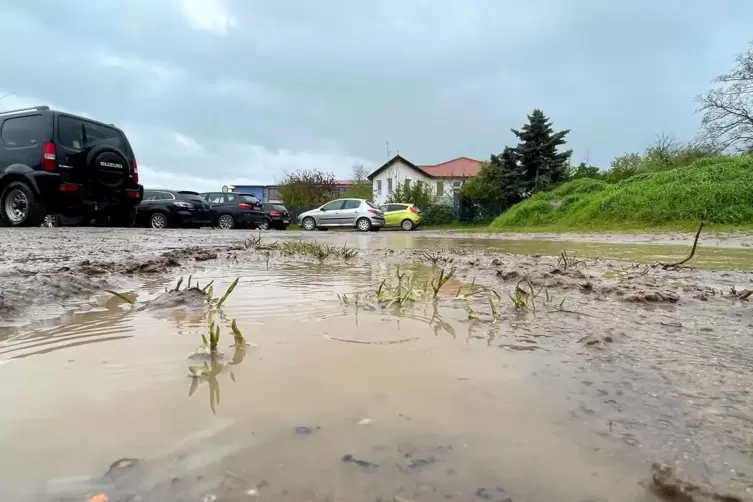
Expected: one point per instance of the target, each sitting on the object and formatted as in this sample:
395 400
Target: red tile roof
462 167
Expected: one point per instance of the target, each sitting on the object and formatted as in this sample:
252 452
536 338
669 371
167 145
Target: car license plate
286 221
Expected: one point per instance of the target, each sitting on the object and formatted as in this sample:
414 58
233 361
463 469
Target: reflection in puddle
428 400
210 370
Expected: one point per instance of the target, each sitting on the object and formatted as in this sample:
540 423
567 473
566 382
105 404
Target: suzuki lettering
111 164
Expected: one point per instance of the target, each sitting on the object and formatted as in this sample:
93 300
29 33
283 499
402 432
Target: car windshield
371 205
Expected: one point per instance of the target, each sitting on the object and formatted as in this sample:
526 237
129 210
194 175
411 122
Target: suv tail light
274 213
135 167
49 159
243 205
413 209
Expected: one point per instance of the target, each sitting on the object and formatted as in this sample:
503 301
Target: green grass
719 190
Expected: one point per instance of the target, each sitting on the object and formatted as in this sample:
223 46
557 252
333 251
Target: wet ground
358 384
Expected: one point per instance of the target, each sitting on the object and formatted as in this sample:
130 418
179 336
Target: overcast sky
229 91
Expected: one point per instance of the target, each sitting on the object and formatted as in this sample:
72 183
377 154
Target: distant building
271 193
444 179
256 190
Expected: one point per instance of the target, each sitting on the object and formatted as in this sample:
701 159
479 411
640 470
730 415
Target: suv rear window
73 131
19 132
250 199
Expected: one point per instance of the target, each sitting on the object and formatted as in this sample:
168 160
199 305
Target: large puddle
339 396
711 257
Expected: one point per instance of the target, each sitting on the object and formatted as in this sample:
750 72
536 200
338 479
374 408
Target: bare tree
728 107
359 172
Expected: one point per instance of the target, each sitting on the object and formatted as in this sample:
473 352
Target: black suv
234 209
56 163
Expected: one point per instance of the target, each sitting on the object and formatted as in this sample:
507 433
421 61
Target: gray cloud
218 90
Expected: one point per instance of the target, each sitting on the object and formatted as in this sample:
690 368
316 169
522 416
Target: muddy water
709 255
345 400
333 401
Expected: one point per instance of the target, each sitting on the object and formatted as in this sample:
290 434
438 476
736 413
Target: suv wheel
50 221
226 222
19 206
158 220
364 225
265 224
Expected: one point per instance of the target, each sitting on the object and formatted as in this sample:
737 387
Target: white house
444 179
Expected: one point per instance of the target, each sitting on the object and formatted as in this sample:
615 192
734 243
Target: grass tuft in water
214 338
121 296
441 280
227 293
315 250
238 338
253 242
567 261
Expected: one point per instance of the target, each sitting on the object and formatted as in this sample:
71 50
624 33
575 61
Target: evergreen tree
498 185
542 165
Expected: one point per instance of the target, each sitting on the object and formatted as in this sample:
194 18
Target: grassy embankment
720 190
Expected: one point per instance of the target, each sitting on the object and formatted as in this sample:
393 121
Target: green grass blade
122 297
227 293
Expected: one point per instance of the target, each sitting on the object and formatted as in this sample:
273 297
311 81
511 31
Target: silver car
353 213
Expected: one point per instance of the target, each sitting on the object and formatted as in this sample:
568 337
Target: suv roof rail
27 109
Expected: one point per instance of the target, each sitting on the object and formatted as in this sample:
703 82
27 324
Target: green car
398 214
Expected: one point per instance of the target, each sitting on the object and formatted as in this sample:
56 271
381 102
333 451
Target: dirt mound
64 287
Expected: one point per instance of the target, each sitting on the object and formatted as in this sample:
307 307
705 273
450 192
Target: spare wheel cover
111 168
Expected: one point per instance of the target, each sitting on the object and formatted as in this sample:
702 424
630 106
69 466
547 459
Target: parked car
235 209
275 216
406 216
171 208
355 213
53 163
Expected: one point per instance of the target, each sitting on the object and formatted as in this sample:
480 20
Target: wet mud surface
527 377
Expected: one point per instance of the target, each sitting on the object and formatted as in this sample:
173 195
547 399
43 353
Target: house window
379 187
389 185
407 182
456 185
440 188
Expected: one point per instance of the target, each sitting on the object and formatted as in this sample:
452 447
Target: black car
53 162
171 208
275 216
234 209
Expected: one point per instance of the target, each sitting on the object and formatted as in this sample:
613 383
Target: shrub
438 214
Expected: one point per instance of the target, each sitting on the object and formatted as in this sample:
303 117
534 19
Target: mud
47 272
607 368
